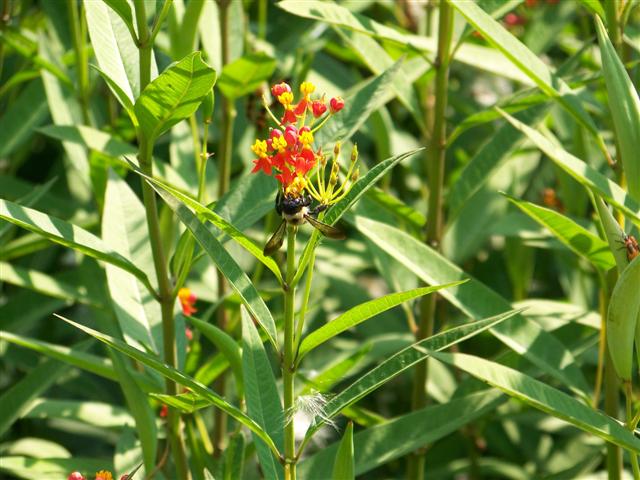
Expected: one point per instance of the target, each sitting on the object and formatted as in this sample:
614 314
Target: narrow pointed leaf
545 398
221 223
171 373
580 240
400 362
390 440
529 63
227 265
475 299
361 313
262 397
69 235
344 467
625 109
583 173
244 75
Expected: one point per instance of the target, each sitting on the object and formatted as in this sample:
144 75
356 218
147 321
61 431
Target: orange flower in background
104 475
187 301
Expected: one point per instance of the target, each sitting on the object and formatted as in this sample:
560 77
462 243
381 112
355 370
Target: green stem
303 307
202 169
224 174
628 391
611 396
167 297
77 32
262 19
612 13
436 167
288 368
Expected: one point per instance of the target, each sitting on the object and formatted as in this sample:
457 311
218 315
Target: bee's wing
276 240
326 230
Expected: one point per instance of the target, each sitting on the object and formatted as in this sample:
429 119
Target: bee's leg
320 208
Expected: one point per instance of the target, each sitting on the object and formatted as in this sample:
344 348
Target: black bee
296 211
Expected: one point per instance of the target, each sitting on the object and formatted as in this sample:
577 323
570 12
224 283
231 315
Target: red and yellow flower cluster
101 475
288 152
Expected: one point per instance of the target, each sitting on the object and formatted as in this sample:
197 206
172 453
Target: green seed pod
622 319
207 107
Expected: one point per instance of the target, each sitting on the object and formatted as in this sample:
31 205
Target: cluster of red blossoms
101 475
289 149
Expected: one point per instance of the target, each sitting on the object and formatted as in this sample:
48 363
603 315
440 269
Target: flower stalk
166 294
288 367
436 167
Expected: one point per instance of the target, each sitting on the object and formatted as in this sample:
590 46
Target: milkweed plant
239 244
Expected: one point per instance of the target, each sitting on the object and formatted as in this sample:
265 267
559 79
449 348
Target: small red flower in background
76 476
164 411
104 475
124 477
187 301
188 333
513 19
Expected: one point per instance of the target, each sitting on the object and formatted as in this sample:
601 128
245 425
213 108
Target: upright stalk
435 165
611 393
78 32
288 368
165 292
224 174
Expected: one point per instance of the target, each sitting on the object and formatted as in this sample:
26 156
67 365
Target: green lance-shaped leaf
475 299
529 63
174 95
226 345
543 397
69 235
355 193
395 438
227 265
244 75
45 284
171 373
344 467
263 401
16 400
614 234
583 173
359 314
622 319
580 240
219 222
124 228
625 109
400 362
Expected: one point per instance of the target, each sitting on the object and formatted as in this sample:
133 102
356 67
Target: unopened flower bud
334 168
323 161
75 476
336 149
355 175
333 179
279 89
336 104
354 154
